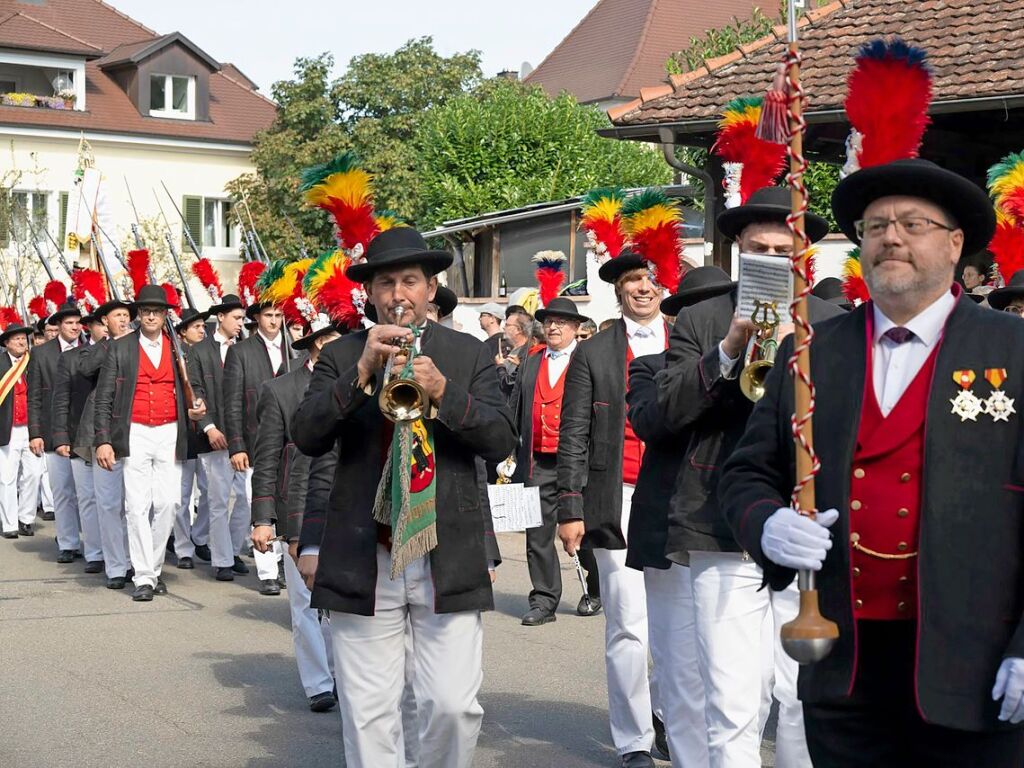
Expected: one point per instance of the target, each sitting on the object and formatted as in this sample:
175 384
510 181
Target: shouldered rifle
252 228
46 263
295 233
184 224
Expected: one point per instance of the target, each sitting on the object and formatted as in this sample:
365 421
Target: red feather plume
55 293
247 277
138 269
738 142
206 274
1007 246
8 317
88 288
37 306
172 296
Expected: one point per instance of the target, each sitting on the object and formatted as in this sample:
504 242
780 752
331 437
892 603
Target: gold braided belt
855 543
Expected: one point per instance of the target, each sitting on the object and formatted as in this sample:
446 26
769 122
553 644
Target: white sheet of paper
764 278
514 507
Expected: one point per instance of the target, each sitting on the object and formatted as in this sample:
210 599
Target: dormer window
172 96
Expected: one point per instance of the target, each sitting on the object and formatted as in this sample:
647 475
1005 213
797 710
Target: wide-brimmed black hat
398 247
696 285
228 302
14 329
189 316
305 342
107 307
830 289
615 268
561 307
256 307
67 309
151 296
962 199
1000 298
771 204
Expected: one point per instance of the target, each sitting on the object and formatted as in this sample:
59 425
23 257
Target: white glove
796 541
1010 688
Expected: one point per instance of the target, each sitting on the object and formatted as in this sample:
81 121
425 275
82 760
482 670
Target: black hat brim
229 306
431 261
110 306
1000 298
962 199
60 314
202 316
254 309
28 330
615 268
543 314
732 221
305 342
135 305
673 305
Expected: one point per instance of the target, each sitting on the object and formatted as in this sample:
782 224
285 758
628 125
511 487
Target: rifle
298 238
174 252
252 228
184 224
60 253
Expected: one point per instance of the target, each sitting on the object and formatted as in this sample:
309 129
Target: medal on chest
998 405
966 404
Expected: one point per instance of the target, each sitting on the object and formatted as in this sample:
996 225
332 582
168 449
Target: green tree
506 145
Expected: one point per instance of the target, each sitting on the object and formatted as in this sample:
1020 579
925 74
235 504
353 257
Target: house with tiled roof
973 47
153 109
621 46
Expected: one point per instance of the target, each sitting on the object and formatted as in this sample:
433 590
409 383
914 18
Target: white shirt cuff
312 549
727 364
208 427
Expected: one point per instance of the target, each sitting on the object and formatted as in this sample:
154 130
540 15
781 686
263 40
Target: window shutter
62 224
192 207
5 218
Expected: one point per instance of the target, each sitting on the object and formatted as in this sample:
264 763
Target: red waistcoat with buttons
547 409
885 497
155 403
20 394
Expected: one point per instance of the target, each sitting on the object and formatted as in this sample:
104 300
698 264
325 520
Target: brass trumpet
401 397
761 350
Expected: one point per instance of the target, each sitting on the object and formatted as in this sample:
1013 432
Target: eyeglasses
556 322
150 310
1016 309
911 226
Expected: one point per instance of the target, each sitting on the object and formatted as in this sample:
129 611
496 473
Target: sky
263 37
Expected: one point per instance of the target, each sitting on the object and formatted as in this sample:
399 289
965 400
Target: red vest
155 403
547 409
885 497
20 394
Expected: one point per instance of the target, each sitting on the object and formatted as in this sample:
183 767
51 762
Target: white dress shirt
896 365
558 361
274 350
223 342
153 349
65 346
645 339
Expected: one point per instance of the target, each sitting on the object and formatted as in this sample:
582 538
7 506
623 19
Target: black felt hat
151 296
189 316
615 268
16 328
771 204
1000 298
830 289
228 303
962 199
398 247
561 307
67 309
106 308
696 285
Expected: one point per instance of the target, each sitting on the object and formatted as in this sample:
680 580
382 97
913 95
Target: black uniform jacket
590 439
970 563
41 373
663 456
280 471
115 394
78 370
696 399
521 404
472 420
246 367
206 370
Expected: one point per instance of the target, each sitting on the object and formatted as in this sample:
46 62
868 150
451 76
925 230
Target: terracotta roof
967 43
133 53
19 30
623 45
238 75
237 111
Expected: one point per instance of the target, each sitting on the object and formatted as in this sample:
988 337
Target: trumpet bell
752 379
403 400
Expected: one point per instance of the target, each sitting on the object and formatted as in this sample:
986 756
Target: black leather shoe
537 616
65 556
186 563
239 566
161 588
170 544
591 609
48 516
94 566
12 535
203 552
322 702
660 739
225 574
269 587
130 573
144 593
116 582
25 529
637 760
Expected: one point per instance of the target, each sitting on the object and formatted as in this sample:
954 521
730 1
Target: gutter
668 147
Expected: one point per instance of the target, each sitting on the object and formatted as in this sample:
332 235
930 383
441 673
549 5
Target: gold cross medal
998 405
966 404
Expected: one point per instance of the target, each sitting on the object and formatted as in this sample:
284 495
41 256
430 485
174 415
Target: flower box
60 101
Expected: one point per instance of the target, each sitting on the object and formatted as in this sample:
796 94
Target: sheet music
514 507
764 278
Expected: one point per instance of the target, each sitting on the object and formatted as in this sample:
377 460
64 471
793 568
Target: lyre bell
761 351
401 397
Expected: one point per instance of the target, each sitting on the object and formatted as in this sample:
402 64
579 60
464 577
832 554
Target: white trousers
230 523
65 501
370 663
152 493
625 645
109 488
672 631
92 542
311 639
735 663
266 562
189 532
45 494
20 471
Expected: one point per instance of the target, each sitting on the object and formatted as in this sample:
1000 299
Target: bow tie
554 354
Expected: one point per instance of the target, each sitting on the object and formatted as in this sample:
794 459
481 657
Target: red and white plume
247 277
55 293
549 273
204 271
88 288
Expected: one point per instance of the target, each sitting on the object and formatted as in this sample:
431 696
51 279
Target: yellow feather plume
351 187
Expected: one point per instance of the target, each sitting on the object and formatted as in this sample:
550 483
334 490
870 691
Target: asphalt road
205 676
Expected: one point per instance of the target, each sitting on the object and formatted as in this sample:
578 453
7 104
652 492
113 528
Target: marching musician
20 468
428 564
918 546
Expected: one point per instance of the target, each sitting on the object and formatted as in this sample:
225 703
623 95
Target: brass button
904 579
855 505
902 546
905 477
856 571
858 603
901 606
902 512
858 473
854 538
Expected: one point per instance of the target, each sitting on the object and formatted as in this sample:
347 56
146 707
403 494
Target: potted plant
68 96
